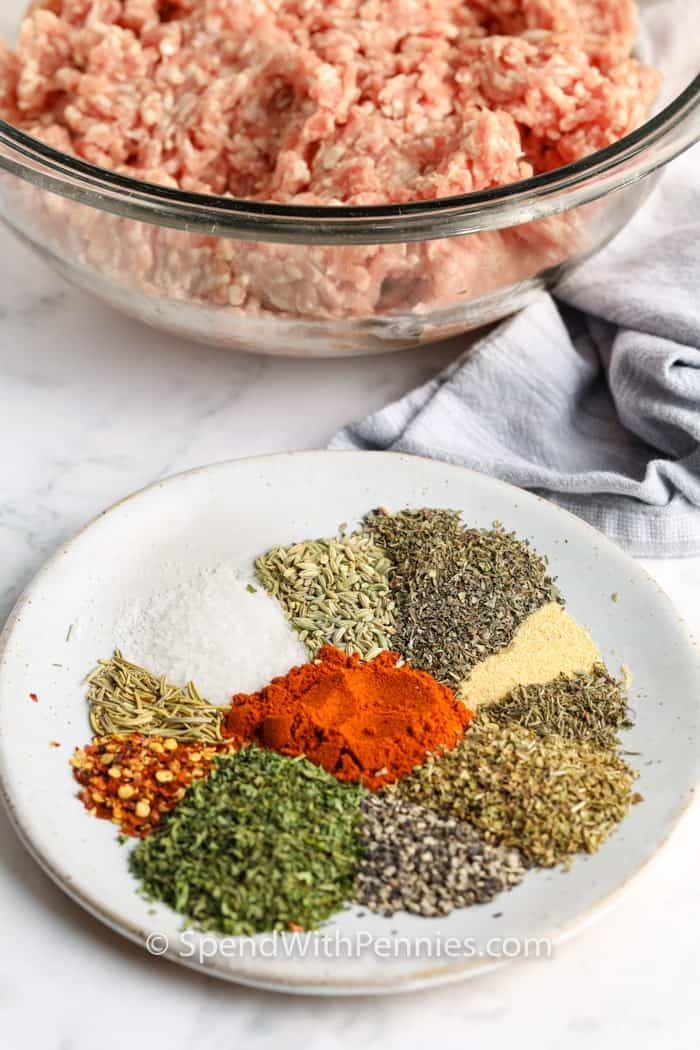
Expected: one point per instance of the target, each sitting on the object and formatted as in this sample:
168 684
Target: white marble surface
94 406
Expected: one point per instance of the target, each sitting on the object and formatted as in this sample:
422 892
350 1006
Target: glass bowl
319 282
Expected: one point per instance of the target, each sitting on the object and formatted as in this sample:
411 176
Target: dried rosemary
125 698
414 859
334 592
460 593
266 843
590 707
546 796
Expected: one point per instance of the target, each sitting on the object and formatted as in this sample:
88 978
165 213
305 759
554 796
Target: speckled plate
234 511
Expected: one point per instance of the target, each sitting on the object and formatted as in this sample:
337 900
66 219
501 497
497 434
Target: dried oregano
334 591
460 593
267 842
414 859
587 706
546 796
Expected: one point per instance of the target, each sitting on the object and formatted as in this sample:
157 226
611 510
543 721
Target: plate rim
432 976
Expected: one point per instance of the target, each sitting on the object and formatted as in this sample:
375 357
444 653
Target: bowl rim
665 135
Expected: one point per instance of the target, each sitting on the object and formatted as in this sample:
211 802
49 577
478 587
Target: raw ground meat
353 102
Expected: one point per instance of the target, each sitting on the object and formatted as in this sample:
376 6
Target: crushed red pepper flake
34 698
135 780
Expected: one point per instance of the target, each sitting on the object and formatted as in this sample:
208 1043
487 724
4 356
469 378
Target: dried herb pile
125 698
267 842
460 594
334 592
590 707
416 860
546 796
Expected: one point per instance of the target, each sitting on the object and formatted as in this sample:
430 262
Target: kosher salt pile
214 627
447 727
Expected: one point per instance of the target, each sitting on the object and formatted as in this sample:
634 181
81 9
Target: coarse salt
212 630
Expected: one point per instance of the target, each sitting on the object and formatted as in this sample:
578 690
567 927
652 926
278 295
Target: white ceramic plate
233 511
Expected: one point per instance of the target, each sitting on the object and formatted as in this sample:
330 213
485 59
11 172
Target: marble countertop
95 406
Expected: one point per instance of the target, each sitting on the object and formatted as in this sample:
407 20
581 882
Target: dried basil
460 594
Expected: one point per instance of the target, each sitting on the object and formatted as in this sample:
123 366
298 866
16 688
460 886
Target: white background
93 407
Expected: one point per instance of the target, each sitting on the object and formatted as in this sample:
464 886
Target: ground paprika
371 721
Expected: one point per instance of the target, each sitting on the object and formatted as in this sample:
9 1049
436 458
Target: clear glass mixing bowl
329 281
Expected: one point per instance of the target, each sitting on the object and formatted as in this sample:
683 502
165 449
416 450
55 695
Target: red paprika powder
370 721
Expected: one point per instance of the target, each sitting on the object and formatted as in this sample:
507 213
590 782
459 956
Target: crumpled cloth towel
590 396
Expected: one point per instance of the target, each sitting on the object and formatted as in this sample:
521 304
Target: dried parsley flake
267 842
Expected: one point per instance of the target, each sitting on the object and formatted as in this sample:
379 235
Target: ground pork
346 102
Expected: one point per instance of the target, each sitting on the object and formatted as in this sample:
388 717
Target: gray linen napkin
590 397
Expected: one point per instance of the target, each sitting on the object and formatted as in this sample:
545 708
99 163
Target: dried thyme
125 698
546 796
591 706
266 843
415 860
334 592
460 593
